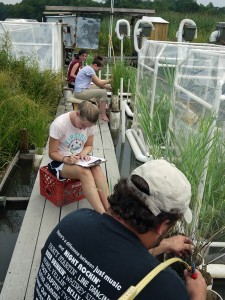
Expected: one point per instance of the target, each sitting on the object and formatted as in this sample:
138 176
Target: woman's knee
85 174
96 170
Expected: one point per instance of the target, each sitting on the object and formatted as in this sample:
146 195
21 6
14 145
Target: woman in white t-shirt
85 91
71 139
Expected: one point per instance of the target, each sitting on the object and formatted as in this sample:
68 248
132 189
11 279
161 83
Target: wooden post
24 140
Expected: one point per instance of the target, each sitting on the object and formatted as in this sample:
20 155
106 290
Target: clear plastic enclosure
41 41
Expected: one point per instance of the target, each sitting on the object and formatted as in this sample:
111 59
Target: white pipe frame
121 36
181 29
126 109
213 36
137 32
215 109
137 147
135 144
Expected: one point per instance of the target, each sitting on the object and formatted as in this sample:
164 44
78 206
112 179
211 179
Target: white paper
92 162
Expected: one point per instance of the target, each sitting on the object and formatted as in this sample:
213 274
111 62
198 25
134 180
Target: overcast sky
10 1
216 3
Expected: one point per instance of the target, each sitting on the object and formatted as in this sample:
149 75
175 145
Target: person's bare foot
104 118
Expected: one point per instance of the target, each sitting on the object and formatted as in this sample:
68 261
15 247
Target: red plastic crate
59 192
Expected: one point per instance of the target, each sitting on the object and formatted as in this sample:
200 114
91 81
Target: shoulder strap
133 291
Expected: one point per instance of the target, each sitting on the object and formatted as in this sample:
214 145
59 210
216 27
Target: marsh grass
199 155
205 22
155 128
190 152
196 150
121 69
28 99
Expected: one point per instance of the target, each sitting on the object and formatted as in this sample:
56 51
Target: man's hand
178 244
196 287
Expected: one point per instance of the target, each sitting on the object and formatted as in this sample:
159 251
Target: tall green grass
205 22
28 99
194 149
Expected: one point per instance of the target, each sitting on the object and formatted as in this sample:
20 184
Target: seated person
74 67
85 91
71 139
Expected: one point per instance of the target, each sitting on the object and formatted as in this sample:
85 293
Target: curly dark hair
125 204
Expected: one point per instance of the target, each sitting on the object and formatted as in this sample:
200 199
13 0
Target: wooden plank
102 10
18 273
84 204
109 153
9 169
97 147
49 221
66 209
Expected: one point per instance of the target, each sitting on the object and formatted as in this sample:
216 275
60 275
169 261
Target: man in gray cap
99 256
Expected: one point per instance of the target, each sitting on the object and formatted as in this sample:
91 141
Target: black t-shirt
93 257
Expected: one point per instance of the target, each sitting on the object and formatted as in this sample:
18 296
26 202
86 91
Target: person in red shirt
74 67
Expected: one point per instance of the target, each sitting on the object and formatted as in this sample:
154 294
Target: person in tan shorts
85 91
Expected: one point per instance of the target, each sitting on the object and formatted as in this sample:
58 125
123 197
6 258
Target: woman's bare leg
102 108
101 184
88 184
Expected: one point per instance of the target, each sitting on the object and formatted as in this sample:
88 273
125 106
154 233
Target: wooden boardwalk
42 216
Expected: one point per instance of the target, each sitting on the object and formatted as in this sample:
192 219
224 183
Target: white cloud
216 3
10 1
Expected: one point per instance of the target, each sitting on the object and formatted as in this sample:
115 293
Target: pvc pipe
201 187
181 28
216 270
139 142
125 110
213 36
128 87
107 71
137 32
122 21
121 93
121 50
124 94
217 244
135 147
191 95
123 117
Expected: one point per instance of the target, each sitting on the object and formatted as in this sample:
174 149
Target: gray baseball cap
170 191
